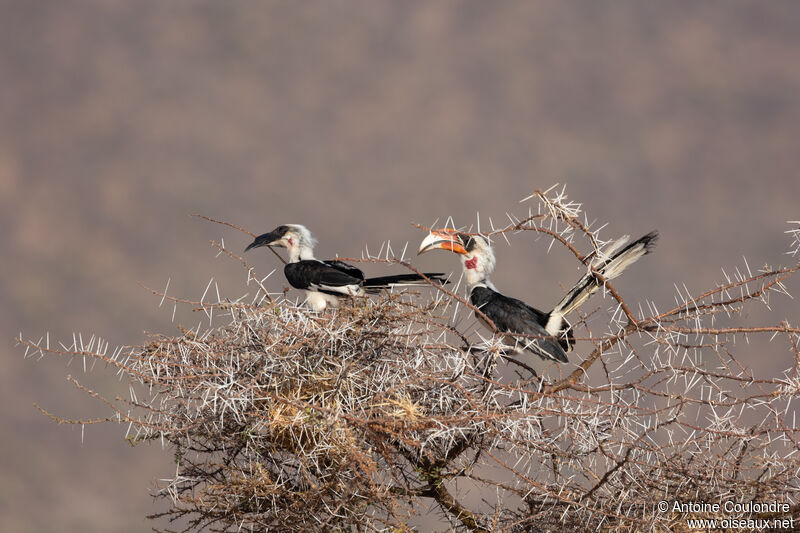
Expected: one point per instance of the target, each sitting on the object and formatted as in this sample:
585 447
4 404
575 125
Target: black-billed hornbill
324 282
515 316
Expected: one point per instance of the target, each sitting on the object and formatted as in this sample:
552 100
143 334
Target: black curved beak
267 239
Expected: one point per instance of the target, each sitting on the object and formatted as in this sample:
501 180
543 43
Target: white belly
318 301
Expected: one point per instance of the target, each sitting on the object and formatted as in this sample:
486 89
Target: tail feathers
385 282
627 256
610 268
545 348
601 256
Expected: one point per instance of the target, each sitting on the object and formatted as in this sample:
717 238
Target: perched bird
515 316
324 282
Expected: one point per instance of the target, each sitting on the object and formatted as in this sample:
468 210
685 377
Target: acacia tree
363 418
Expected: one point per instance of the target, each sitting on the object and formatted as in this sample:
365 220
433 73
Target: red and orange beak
446 239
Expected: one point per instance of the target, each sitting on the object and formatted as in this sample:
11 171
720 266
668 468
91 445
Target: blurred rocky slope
117 120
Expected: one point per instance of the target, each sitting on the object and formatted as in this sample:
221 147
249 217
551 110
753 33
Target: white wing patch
349 290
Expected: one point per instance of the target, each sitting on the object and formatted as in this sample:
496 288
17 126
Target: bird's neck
485 283
301 252
474 275
477 279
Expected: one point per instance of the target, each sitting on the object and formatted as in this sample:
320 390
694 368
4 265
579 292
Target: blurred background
119 119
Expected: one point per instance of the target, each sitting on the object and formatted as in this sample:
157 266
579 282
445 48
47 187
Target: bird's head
477 256
294 237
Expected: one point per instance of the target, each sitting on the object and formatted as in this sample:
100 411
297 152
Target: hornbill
515 316
325 281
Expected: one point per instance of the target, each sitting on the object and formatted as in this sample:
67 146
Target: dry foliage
362 418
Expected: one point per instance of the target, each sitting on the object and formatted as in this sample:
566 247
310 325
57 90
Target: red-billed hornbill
515 316
325 281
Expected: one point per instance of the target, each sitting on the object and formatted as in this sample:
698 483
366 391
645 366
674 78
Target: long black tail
386 282
610 267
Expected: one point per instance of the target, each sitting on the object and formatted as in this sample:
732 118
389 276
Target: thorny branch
361 418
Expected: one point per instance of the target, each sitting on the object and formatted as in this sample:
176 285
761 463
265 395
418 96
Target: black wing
515 316
315 275
348 269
